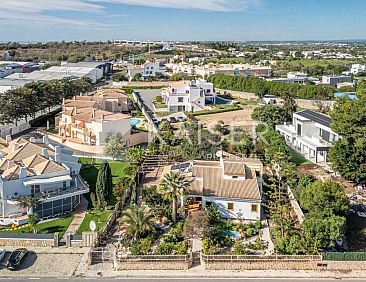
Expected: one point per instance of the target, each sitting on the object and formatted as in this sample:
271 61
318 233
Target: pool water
135 121
234 234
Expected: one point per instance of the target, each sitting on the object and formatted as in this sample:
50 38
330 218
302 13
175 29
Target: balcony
78 187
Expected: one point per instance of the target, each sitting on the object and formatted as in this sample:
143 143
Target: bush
249 232
142 247
165 248
240 249
159 99
258 224
181 248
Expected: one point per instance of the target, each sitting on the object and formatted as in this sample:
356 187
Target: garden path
79 215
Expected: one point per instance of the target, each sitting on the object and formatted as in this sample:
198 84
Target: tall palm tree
135 222
174 185
28 202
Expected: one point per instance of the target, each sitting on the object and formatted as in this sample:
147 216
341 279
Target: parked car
16 258
2 254
172 119
181 119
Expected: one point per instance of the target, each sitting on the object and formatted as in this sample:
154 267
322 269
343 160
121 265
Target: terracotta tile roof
13 173
234 168
48 167
209 181
80 104
25 150
34 160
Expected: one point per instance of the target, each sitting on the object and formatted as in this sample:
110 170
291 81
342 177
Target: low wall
29 240
295 205
152 262
281 263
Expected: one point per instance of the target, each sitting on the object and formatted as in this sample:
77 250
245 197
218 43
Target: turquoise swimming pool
135 121
234 234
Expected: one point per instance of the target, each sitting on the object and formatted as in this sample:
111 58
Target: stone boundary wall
171 262
273 264
29 242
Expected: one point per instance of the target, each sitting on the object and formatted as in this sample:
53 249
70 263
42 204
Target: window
187 91
64 185
35 189
180 99
230 206
234 177
254 208
299 129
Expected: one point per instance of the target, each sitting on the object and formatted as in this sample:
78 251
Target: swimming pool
135 121
234 234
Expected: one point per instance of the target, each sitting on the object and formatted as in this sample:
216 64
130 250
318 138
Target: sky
56 20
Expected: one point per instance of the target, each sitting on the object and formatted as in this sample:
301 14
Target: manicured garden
297 158
59 225
90 173
100 218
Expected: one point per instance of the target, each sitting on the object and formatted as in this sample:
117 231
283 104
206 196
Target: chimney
101 118
45 152
45 139
75 110
58 157
57 150
15 147
22 172
10 163
32 140
7 139
93 113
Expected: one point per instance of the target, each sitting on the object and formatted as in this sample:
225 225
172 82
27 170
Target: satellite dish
92 225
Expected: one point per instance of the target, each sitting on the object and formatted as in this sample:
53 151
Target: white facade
188 96
42 171
310 134
334 80
146 70
357 68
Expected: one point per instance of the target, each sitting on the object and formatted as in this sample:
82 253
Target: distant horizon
177 20
356 40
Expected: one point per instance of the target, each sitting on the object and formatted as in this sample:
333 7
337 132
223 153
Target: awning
47 180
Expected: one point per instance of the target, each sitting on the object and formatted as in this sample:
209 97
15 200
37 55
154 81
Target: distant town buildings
146 70
334 80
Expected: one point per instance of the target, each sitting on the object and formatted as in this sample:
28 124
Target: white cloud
36 12
210 5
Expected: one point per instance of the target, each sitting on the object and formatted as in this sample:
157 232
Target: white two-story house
149 69
42 171
233 184
310 134
188 96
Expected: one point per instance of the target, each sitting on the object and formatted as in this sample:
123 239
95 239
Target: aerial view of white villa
209 140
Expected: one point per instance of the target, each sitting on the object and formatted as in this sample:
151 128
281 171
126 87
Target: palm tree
28 202
173 185
135 222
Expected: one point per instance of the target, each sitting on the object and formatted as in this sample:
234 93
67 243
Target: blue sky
46 20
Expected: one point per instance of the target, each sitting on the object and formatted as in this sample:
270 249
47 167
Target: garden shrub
165 248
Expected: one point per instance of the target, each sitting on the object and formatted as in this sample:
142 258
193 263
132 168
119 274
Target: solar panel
180 166
316 117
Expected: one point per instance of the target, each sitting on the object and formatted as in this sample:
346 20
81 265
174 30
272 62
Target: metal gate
101 255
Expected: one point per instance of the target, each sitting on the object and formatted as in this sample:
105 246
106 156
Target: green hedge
256 85
351 256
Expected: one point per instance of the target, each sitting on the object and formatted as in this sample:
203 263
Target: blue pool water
135 121
234 234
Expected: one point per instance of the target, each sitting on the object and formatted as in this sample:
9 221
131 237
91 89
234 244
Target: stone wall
23 240
153 263
286 265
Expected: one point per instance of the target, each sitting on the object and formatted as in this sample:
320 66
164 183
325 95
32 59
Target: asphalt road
182 279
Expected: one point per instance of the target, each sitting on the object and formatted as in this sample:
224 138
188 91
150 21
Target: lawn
59 225
218 109
90 174
99 220
297 158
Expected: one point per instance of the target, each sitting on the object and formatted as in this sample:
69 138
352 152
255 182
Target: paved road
182 279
